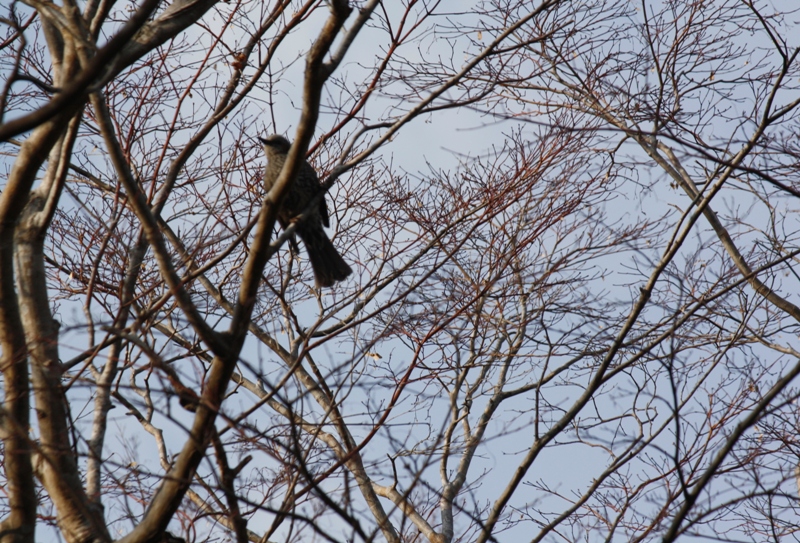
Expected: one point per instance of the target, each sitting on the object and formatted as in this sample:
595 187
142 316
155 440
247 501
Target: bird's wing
323 211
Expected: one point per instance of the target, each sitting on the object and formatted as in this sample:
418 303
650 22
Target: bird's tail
327 263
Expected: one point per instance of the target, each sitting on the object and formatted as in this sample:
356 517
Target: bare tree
581 324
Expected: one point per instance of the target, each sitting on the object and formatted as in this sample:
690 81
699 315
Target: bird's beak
262 140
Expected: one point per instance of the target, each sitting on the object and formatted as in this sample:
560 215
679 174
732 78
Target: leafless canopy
575 307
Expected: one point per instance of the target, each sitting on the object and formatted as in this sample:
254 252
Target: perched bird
327 263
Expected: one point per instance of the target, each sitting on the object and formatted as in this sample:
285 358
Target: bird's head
275 144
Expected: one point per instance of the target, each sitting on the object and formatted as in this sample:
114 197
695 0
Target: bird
326 262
